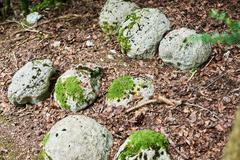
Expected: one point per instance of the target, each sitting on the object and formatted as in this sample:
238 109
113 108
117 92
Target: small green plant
229 37
119 87
5 10
142 140
26 8
47 4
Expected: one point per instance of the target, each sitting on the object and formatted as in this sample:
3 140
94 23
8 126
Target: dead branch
31 29
159 99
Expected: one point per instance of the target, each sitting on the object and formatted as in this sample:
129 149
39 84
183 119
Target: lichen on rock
78 87
144 144
125 88
141 32
31 83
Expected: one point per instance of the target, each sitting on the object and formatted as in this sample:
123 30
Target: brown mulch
198 128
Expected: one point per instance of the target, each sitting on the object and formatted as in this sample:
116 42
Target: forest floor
198 129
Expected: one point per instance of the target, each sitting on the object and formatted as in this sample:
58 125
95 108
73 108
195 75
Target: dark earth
198 129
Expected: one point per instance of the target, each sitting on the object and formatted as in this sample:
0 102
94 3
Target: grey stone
89 43
32 18
77 137
113 14
140 34
78 87
31 83
176 50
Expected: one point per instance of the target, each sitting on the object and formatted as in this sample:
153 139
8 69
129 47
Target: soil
198 129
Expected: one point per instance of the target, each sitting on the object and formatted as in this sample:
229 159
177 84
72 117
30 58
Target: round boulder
125 89
30 84
143 145
113 14
77 88
175 49
141 32
77 137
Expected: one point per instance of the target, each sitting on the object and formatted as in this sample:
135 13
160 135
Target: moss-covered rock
141 32
113 14
144 145
78 87
125 88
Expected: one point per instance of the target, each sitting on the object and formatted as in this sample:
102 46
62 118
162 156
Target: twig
207 63
159 99
203 108
12 40
68 16
215 80
29 30
9 21
192 75
15 58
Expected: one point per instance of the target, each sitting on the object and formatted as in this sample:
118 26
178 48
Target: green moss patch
70 87
123 41
109 29
42 155
45 139
142 140
119 87
133 17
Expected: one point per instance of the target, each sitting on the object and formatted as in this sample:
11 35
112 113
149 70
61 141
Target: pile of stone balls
140 33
